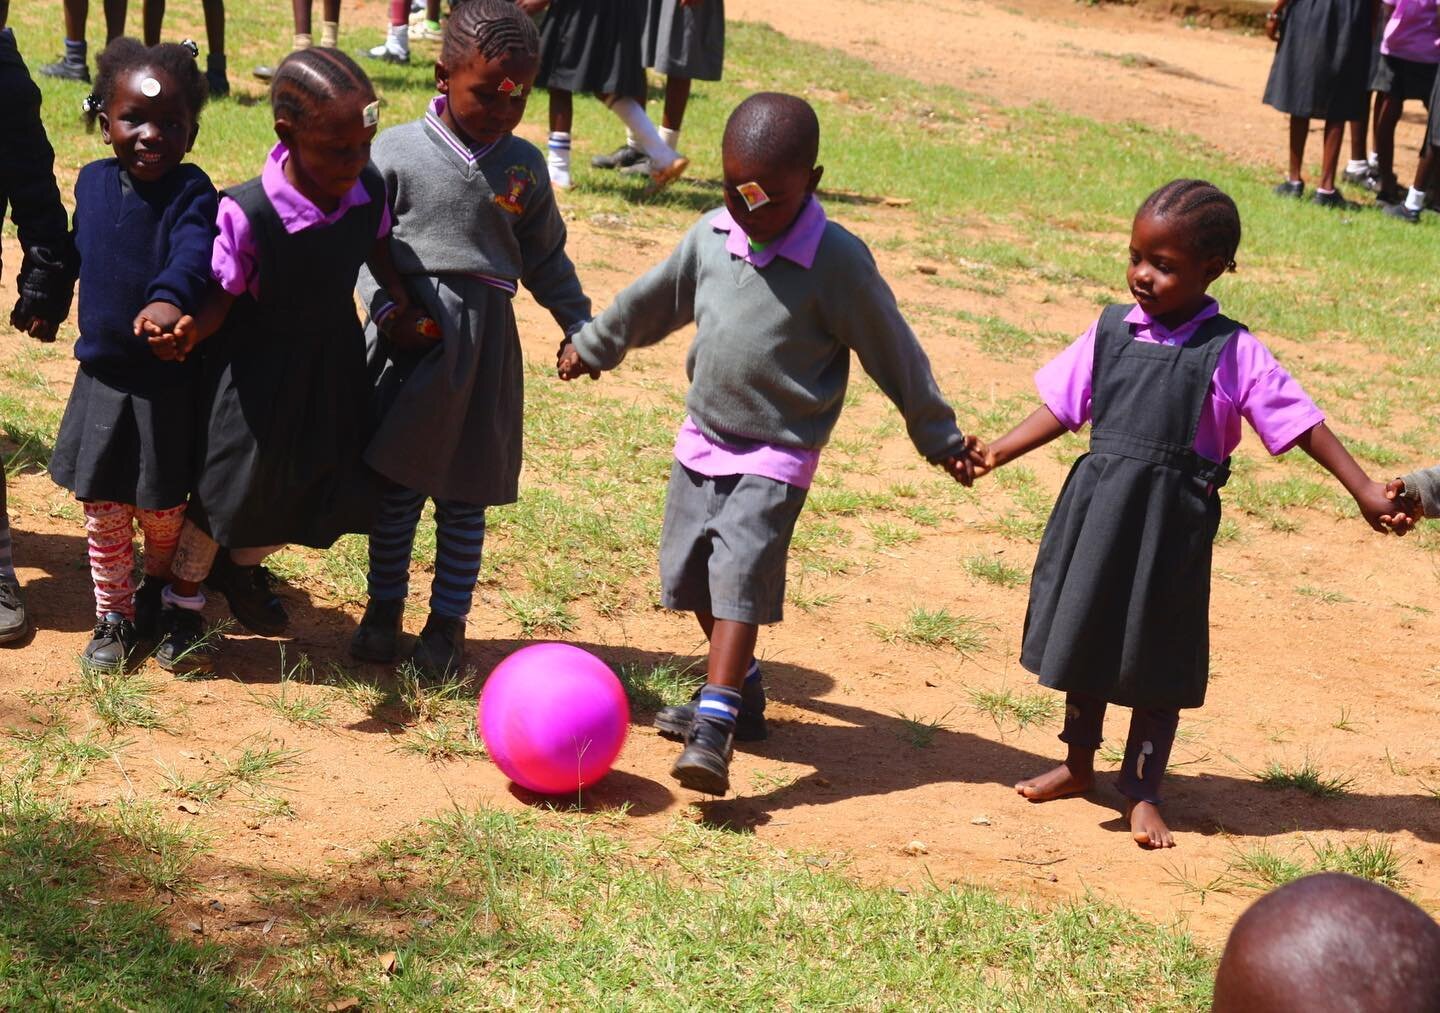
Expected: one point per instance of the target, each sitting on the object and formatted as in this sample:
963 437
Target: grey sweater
1426 485
771 355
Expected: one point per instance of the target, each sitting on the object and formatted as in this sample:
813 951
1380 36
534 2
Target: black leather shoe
674 722
705 763
440 649
185 647
375 638
1290 188
619 158
13 622
111 643
249 591
67 70
1334 201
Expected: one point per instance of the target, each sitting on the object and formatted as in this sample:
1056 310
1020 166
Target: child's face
331 148
784 189
148 122
486 98
1166 277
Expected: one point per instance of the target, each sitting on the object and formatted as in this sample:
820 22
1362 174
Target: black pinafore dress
1120 597
289 411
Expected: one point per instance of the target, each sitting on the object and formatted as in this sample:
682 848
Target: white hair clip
149 87
753 194
371 113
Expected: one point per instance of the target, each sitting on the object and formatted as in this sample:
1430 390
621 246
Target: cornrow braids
309 78
490 29
124 55
1211 217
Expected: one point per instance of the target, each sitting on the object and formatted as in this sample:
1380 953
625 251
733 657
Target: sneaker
13 622
704 765
385 54
1399 210
674 722
67 70
264 72
219 84
185 646
1333 201
422 32
640 167
147 607
249 591
661 178
621 158
110 644
375 638
1359 176
440 648
1290 188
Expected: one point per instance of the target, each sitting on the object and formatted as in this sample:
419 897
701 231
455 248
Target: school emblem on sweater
521 180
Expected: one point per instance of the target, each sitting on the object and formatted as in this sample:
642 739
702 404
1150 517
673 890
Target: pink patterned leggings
110 528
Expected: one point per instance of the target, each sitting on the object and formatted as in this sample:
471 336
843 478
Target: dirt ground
837 776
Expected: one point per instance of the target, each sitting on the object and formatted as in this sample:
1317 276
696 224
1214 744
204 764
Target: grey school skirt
1322 63
686 41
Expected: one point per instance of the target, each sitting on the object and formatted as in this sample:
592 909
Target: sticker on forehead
753 194
149 87
509 87
371 113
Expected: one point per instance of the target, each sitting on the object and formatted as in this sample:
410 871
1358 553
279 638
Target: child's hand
410 330
37 327
175 345
982 458
1406 508
1376 507
156 319
570 366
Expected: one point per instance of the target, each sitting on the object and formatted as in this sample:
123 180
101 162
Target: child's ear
1214 268
285 130
815 175
194 133
104 121
442 77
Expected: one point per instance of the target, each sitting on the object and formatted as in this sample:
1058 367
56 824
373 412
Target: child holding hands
780 297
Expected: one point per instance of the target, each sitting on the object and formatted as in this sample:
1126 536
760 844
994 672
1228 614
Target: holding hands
170 333
570 366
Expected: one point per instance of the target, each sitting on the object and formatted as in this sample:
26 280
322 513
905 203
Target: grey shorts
724 544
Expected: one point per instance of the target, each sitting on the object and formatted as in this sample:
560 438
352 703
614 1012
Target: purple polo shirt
1412 33
791 465
1248 384
232 261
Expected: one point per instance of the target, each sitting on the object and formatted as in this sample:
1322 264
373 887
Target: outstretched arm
1037 430
190 330
1325 447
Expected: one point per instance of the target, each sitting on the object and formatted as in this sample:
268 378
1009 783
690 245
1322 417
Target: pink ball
553 718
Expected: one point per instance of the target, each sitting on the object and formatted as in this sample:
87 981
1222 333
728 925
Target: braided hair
125 55
308 79
1212 221
488 28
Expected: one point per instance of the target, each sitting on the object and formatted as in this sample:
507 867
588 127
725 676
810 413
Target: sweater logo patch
521 180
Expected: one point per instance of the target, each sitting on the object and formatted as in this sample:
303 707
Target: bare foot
1146 826
1057 783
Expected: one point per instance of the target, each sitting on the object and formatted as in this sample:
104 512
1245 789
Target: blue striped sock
752 674
391 539
719 703
459 540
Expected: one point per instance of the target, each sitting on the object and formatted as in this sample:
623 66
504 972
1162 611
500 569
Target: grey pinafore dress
1120 597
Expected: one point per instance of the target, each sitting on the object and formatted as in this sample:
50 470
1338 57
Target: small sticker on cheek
149 87
509 87
371 113
753 194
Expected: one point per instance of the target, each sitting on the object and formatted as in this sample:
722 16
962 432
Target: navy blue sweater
139 243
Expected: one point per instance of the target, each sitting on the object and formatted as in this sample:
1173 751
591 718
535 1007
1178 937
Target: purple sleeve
232 259
1267 396
1065 381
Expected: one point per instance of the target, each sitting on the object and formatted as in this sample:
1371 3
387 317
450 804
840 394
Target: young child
1409 52
594 46
780 297
144 224
474 217
1120 596
1421 193
288 414
27 186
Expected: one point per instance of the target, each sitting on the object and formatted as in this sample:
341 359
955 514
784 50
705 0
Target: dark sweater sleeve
1426 485
185 277
862 314
661 302
546 269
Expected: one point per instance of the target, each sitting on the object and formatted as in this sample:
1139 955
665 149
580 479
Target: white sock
630 140
670 137
558 158
1356 165
1415 200
1323 190
302 40
632 114
1374 160
329 34
194 603
399 40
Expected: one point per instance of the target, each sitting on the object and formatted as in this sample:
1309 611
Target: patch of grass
1323 596
1307 777
1374 859
887 535
806 600
299 706
938 628
994 570
1275 501
425 699
920 732
53 752
1019 709
254 772
661 684
121 699
1343 723
1227 532
535 614
153 849
442 740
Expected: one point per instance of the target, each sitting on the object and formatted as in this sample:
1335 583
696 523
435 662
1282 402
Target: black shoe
1333 201
111 643
639 167
185 646
674 722
13 623
440 649
619 158
705 763
218 83
375 637
67 70
1360 177
147 607
248 589
263 71
1400 211
1290 188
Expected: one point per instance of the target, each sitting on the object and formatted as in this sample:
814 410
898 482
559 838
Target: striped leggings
459 539
110 530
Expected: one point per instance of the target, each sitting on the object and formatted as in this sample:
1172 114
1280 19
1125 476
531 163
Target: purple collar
1162 334
296 211
796 244
435 120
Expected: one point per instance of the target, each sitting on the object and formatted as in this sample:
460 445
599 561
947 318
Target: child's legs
152 17
109 529
391 539
1299 134
677 97
1083 731
459 541
1084 727
1357 137
399 13
161 529
562 111
732 645
1147 751
1330 156
194 555
1388 107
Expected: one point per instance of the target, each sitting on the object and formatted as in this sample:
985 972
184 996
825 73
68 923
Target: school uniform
1322 62
768 369
1409 51
686 41
593 46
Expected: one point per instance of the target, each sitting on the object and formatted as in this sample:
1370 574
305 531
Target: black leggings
1147 750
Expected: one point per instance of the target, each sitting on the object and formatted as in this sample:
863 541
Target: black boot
705 763
111 643
440 649
248 590
375 638
674 722
185 646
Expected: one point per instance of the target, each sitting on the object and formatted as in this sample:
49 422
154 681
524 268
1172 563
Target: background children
1416 200
1120 597
290 416
474 216
1409 52
1330 942
768 371
27 187
144 224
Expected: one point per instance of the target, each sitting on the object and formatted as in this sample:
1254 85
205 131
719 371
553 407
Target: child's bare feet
1147 827
1057 783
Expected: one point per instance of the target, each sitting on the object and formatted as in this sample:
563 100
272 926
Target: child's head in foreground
1184 236
769 153
1331 942
148 101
